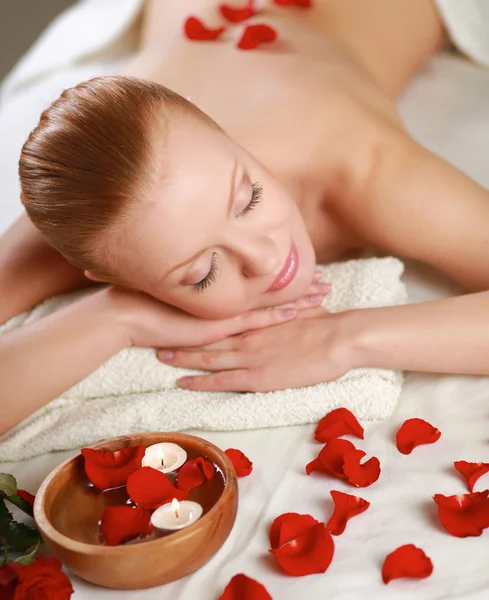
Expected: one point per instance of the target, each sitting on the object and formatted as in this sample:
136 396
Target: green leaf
5 516
20 537
28 558
3 560
21 503
8 485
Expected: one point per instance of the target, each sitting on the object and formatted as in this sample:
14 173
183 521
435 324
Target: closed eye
256 195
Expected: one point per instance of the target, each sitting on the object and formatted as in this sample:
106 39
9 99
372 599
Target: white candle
176 515
165 457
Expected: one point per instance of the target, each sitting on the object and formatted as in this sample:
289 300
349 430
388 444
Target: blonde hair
90 157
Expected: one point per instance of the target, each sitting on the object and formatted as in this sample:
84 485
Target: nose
260 258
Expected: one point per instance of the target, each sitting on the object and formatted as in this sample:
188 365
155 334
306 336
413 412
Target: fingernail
167 355
286 313
314 298
185 382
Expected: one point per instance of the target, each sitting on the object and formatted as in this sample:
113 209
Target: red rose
8 579
43 580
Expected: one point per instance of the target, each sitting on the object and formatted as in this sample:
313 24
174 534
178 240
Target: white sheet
447 109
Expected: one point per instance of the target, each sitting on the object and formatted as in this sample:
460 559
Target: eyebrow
228 211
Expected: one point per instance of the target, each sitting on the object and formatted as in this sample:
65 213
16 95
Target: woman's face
218 235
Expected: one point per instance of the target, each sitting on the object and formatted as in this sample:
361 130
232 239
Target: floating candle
176 515
165 457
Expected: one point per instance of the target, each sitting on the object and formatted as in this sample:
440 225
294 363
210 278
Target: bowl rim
47 528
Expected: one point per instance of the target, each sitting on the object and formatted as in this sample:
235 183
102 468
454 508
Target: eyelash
256 195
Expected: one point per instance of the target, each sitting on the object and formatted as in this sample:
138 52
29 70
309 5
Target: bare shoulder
410 202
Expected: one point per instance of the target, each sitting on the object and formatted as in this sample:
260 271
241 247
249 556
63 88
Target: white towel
134 392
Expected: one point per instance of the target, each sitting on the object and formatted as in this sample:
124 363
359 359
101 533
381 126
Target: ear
93 277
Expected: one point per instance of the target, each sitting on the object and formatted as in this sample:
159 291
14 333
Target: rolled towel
134 392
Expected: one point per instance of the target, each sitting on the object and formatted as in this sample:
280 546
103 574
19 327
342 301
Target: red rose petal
242 587
406 561
254 35
301 550
471 471
336 423
464 515
345 507
357 474
331 458
27 496
150 488
106 469
196 30
288 527
194 473
415 432
121 523
303 3
242 464
236 15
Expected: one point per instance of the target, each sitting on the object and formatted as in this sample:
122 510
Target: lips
288 271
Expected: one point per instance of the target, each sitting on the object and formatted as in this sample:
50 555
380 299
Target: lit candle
176 515
165 457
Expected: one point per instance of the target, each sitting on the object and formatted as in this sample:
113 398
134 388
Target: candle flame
175 505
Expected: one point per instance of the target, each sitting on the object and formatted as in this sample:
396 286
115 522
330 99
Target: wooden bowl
67 511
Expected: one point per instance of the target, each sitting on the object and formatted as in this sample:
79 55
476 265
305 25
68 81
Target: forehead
187 200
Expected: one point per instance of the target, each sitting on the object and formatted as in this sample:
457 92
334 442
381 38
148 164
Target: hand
313 348
151 323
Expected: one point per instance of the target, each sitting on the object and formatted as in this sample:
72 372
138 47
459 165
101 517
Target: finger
305 302
317 275
229 343
312 312
255 319
318 288
225 381
207 360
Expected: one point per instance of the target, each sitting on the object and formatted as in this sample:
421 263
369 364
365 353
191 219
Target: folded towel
134 392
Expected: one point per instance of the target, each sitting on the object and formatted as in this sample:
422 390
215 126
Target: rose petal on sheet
237 15
150 488
289 526
195 30
194 473
464 515
415 432
339 421
331 458
241 463
255 35
107 469
346 506
360 475
301 545
242 587
122 523
471 471
406 561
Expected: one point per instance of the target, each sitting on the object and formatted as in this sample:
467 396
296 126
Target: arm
416 205
31 270
443 336
40 361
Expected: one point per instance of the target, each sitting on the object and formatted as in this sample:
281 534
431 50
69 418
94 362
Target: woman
136 187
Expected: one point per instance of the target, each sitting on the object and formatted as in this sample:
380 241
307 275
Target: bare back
307 106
